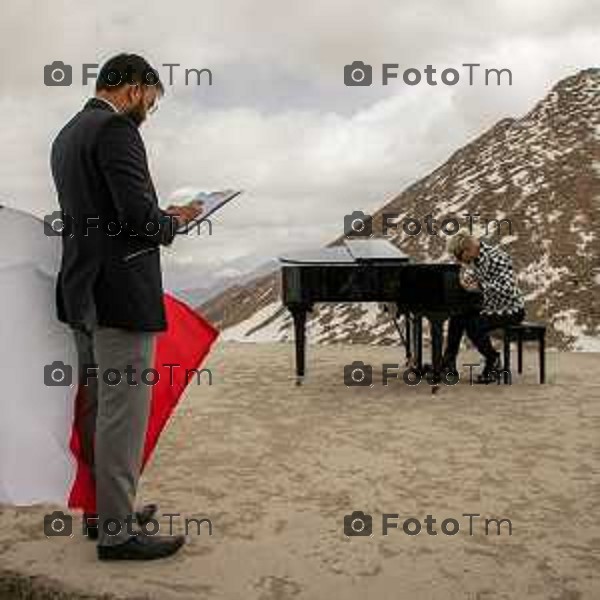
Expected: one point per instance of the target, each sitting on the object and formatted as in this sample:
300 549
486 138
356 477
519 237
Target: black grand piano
374 270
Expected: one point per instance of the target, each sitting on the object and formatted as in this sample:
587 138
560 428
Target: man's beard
137 113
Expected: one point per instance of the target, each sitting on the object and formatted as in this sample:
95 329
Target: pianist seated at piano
489 269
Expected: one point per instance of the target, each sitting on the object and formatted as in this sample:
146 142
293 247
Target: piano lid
333 255
352 251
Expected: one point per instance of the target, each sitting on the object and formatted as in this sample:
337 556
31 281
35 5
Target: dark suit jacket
110 272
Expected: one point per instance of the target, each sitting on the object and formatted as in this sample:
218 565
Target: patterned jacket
494 272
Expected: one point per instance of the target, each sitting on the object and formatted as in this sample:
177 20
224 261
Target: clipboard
212 201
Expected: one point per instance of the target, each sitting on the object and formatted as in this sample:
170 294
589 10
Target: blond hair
458 242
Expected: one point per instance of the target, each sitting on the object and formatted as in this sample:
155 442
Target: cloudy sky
278 120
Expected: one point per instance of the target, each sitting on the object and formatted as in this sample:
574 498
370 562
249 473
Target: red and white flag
40 458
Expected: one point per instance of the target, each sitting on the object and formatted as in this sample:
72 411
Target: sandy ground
275 468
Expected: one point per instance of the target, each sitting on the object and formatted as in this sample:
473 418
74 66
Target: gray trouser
114 420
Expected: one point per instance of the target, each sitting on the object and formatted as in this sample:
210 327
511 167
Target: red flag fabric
186 343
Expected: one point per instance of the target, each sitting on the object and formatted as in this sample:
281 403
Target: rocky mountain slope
541 172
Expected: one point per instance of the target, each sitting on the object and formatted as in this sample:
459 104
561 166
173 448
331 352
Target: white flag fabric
36 420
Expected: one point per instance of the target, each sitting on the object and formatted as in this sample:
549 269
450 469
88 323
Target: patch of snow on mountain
268 333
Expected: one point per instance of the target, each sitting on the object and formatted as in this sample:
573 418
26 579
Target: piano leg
437 330
418 340
299 312
406 335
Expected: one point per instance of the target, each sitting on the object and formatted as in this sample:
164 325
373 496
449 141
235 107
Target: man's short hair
127 68
458 242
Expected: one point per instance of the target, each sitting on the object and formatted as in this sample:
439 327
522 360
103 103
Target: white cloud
278 120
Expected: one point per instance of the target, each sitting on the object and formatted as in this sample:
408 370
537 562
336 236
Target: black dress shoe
491 370
142 547
486 378
142 517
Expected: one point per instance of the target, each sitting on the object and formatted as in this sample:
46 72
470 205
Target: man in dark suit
109 288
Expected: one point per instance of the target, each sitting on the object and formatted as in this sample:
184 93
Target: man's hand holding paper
202 205
186 213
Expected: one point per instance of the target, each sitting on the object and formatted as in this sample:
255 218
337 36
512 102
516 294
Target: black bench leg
506 364
418 339
408 339
542 349
520 355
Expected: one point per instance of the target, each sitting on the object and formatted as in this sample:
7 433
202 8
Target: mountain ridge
542 171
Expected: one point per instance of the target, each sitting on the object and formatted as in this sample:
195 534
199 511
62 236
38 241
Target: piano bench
526 331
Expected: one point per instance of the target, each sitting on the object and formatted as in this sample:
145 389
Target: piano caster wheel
434 389
299 381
